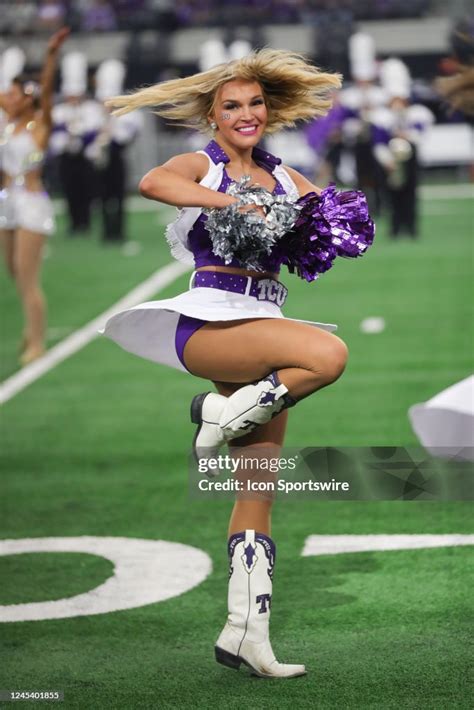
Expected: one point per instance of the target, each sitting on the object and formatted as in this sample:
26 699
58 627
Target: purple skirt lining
185 328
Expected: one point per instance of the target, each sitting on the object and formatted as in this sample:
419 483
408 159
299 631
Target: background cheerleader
26 212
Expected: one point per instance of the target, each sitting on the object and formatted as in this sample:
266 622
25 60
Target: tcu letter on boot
245 637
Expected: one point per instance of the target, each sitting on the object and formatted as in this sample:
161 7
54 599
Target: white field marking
146 572
338 544
77 340
372 324
151 571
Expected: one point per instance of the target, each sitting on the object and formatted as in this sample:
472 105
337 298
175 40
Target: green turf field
99 447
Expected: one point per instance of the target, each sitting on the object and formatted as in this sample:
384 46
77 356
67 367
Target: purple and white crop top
187 235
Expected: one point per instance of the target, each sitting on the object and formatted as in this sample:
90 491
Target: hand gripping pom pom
246 236
329 225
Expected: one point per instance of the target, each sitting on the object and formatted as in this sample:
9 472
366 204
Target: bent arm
48 72
303 185
176 183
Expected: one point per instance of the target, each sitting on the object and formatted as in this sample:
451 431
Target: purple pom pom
330 224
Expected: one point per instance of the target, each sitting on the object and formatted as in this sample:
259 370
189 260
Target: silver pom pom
246 235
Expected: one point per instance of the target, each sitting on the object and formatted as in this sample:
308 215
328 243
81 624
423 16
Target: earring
213 125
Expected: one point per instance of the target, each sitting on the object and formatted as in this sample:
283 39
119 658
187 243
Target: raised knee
337 361
329 362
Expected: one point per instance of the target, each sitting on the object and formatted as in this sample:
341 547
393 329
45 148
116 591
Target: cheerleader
26 212
228 327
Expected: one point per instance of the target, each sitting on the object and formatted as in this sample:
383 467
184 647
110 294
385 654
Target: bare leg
245 636
306 358
243 353
28 251
255 512
7 239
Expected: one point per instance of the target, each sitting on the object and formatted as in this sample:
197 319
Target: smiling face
240 113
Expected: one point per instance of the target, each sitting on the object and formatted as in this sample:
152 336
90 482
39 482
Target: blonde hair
294 90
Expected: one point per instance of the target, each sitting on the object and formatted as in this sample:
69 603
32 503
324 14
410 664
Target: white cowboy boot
221 419
206 410
245 637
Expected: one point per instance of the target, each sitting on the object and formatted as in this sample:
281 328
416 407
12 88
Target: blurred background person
458 86
397 130
78 120
359 100
26 212
107 151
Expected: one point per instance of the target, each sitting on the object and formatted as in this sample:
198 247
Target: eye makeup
230 105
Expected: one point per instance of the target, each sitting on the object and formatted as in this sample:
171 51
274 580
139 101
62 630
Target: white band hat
362 57
239 48
12 62
395 78
74 74
109 79
212 53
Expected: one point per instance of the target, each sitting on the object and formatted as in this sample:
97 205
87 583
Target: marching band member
77 122
26 212
398 129
359 100
108 148
228 327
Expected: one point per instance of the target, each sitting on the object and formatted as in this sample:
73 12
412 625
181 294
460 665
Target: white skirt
149 329
22 208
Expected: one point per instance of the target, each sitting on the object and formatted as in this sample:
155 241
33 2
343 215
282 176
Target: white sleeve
287 182
177 232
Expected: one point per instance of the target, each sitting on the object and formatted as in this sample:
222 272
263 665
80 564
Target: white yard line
339 544
77 340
